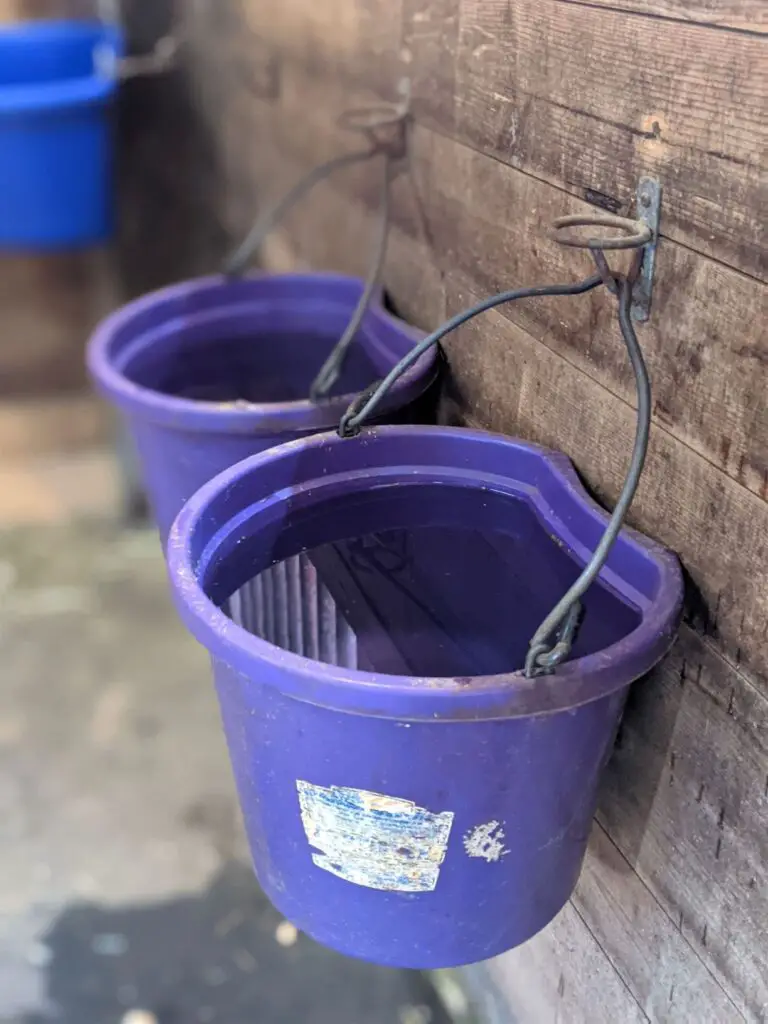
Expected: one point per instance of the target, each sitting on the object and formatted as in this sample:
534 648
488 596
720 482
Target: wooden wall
524 110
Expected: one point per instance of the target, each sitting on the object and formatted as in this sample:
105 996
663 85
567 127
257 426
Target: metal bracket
649 212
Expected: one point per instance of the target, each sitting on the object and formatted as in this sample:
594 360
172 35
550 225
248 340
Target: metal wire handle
333 365
161 58
385 128
562 623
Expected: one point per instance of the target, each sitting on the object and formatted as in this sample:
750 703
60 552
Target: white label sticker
382 842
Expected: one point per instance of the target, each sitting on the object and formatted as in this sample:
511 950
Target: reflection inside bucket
278 367
440 600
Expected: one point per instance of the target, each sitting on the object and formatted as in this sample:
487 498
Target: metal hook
636 232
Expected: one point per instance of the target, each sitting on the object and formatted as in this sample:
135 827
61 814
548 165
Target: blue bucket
57 80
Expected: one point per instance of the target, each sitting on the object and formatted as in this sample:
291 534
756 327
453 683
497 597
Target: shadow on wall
223 956
168 173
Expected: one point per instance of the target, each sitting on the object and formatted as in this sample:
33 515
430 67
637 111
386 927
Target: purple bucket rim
511 695
245 417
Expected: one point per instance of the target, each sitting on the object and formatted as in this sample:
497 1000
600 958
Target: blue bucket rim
564 504
66 92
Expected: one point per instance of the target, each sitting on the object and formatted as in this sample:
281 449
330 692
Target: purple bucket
209 371
410 796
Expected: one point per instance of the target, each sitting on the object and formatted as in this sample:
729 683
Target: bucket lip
511 695
254 418
63 93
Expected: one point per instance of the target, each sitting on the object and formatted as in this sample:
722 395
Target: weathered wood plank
555 89
719 529
664 974
330 229
563 975
430 43
705 343
355 42
686 800
747 15
712 727
699 352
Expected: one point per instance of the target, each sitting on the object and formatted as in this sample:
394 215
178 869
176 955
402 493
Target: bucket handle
562 623
385 127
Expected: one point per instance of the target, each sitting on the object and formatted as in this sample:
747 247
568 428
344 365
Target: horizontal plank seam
638 133
618 973
656 16
706 640
656 426
667 915
569 192
659 427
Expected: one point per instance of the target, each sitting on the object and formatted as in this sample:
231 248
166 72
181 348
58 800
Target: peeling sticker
381 842
486 841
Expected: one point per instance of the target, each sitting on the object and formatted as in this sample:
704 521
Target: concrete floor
123 876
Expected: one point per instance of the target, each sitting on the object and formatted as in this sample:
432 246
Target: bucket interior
410 579
248 356
40 55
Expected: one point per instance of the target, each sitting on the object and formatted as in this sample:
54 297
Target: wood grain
489 220
664 974
746 15
686 800
355 42
705 344
688 788
562 974
717 527
566 92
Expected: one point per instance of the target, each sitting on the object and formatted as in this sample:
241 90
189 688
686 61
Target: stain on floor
222 956
124 882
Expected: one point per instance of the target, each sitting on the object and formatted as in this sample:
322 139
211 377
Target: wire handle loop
385 128
552 642
367 121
